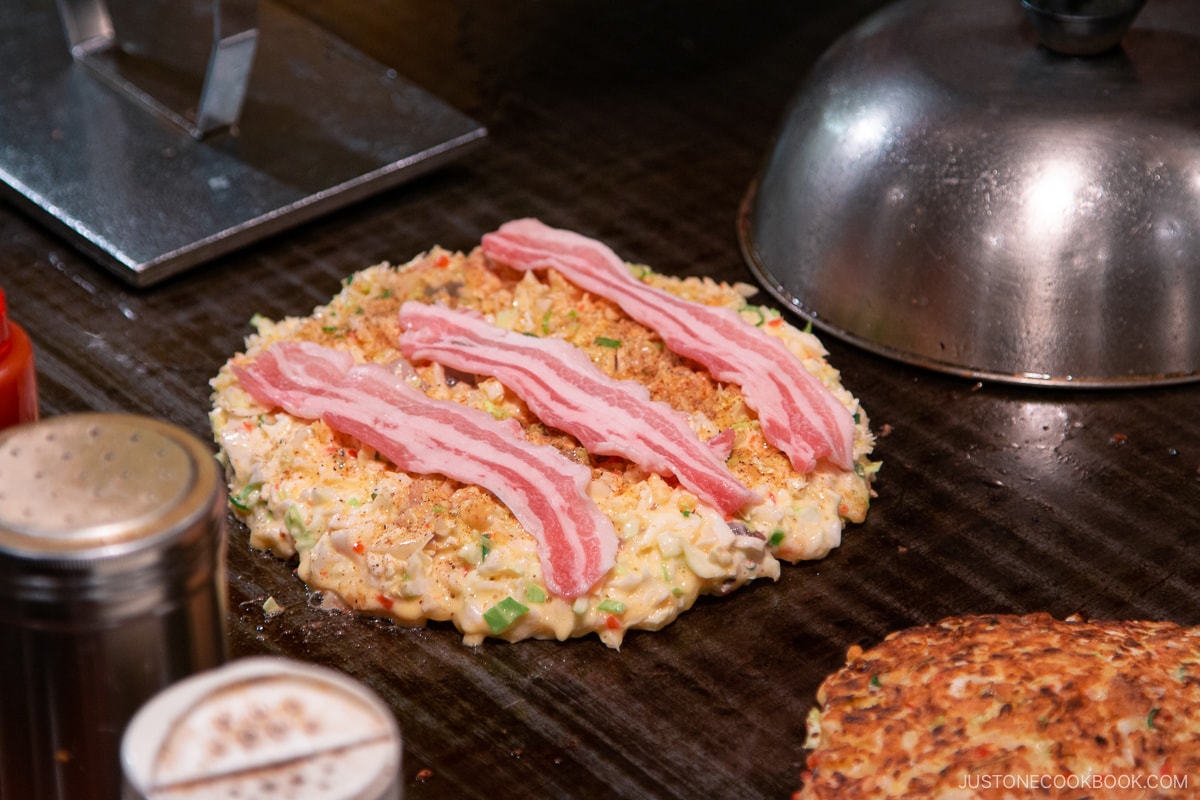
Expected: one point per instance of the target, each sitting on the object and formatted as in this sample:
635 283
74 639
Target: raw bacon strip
545 491
566 390
798 414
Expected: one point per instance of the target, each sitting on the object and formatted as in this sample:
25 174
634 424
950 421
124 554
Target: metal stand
93 41
155 150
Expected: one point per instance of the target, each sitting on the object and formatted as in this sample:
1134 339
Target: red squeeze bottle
18 381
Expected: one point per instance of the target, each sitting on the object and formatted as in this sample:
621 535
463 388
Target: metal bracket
93 42
272 122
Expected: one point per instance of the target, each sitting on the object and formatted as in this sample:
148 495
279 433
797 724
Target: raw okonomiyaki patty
1012 706
368 501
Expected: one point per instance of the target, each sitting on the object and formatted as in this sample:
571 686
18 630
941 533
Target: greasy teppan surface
642 124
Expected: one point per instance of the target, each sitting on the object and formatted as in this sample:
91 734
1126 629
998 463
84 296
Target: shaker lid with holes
90 486
267 728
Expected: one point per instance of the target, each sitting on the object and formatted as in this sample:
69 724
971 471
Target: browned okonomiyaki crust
1012 706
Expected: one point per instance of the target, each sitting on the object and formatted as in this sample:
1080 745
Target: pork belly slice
561 385
798 414
546 492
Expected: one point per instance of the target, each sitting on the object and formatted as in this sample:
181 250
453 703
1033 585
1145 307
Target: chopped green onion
385 294
546 322
485 545
241 500
875 681
1150 717
503 614
497 411
295 524
612 606
604 341
534 593
776 539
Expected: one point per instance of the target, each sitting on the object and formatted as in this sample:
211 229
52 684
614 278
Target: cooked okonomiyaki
981 707
537 439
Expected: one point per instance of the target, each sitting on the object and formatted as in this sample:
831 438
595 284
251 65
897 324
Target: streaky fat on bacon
545 491
798 414
562 386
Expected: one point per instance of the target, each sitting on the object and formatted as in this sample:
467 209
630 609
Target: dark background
642 124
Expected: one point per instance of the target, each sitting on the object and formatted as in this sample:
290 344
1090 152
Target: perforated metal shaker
266 728
112 551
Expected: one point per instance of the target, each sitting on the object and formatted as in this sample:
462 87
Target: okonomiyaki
538 439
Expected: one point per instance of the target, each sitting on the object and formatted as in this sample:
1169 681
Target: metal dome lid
947 190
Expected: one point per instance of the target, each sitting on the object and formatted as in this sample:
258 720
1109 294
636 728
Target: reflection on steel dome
947 191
